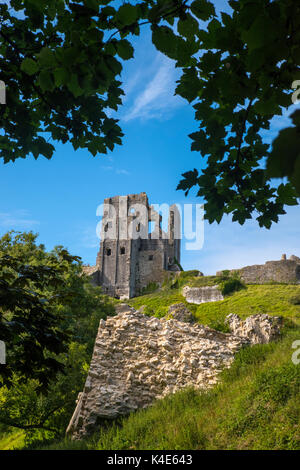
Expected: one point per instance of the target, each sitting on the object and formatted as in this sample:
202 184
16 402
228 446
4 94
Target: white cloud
89 238
156 99
121 171
118 171
19 219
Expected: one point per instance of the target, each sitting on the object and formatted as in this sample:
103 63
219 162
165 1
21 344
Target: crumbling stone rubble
138 359
260 328
180 312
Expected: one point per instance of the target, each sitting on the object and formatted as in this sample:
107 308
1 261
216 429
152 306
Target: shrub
151 287
295 300
231 285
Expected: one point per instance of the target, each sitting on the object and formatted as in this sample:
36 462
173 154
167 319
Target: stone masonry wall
199 295
285 271
138 359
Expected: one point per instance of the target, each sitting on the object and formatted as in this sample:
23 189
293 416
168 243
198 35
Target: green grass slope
273 299
255 406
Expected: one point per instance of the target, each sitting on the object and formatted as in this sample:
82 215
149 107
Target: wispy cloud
118 171
155 99
89 238
17 219
121 171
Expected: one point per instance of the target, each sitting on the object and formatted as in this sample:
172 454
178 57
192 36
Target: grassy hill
255 406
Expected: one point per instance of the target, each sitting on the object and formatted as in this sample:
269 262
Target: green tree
49 317
242 77
61 62
33 284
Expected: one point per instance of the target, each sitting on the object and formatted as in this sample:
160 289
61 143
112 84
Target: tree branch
149 22
39 425
27 427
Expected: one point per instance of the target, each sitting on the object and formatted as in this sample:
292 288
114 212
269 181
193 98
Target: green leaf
93 4
124 49
127 14
45 81
203 9
61 76
284 159
46 58
189 84
287 194
165 40
29 66
187 27
73 86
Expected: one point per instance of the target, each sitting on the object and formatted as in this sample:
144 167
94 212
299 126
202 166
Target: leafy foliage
287 144
29 323
61 62
243 76
49 319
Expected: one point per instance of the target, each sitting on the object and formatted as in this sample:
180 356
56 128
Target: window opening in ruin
122 251
107 226
138 227
151 226
150 257
108 252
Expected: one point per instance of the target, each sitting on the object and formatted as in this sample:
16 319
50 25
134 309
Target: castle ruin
285 271
131 256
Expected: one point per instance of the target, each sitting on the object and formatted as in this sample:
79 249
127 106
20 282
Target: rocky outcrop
260 328
179 312
199 295
138 359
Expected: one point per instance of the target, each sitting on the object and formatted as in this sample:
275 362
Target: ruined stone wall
138 359
153 261
129 259
199 295
93 273
286 271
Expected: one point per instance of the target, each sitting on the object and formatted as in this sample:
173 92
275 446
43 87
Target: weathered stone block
259 329
199 295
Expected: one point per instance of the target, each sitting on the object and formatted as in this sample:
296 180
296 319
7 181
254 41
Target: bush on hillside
295 300
231 285
24 404
151 287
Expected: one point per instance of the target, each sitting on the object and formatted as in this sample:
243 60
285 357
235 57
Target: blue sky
58 198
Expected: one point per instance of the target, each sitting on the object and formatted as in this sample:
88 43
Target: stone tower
130 257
